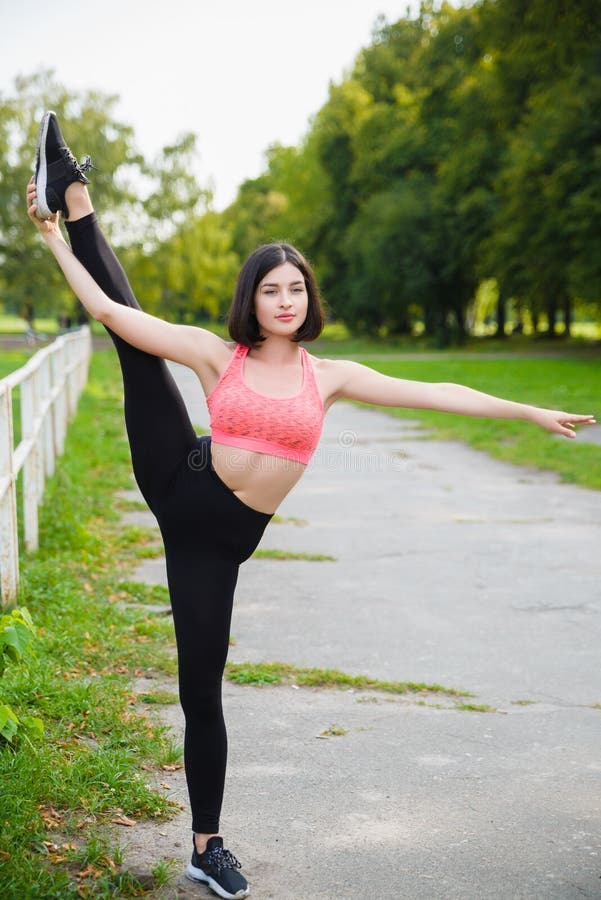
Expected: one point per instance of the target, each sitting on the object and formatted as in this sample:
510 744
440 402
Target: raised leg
158 426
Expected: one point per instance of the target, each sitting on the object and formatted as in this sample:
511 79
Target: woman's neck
278 351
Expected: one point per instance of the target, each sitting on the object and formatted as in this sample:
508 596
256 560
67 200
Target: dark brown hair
242 324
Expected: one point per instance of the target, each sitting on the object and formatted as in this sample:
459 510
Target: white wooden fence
50 384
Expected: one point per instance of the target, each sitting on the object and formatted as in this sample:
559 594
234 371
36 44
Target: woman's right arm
184 344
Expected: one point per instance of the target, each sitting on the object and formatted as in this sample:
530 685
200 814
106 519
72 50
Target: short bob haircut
242 324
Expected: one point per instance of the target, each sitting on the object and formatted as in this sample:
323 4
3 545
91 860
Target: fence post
9 543
57 380
48 414
31 465
38 412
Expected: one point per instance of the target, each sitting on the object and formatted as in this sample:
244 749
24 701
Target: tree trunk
535 321
552 315
567 316
501 316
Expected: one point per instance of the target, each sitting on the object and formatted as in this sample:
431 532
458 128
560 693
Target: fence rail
50 384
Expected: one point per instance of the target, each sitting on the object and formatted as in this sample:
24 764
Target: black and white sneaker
219 869
55 168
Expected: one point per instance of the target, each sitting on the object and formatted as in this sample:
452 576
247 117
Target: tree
547 196
138 202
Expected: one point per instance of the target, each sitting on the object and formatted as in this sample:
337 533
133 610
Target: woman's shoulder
328 366
214 350
331 375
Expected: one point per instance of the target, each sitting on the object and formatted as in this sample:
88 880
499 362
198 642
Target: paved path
450 568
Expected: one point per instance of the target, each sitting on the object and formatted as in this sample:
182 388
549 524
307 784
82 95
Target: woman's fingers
567 423
572 420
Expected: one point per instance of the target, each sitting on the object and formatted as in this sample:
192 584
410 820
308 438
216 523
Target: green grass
476 707
11 324
334 731
573 385
290 554
264 674
158 698
10 360
89 646
288 520
337 340
136 592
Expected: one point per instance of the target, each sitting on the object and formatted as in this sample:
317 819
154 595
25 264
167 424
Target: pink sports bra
289 427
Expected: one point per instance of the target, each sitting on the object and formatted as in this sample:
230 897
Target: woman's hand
48 228
559 422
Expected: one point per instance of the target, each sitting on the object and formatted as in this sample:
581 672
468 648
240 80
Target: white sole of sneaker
195 874
42 211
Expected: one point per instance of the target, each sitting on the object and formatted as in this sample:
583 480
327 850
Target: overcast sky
241 74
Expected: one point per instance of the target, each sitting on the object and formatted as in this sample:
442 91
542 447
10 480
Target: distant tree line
463 149
454 173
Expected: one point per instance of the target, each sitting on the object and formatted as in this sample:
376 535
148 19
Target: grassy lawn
571 384
11 324
11 360
101 752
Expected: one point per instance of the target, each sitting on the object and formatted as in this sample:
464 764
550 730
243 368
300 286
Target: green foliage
142 202
16 636
462 146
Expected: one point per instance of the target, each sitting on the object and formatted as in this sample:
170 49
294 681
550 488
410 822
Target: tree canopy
462 147
459 159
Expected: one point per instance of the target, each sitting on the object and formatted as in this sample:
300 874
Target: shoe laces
87 164
222 859
84 166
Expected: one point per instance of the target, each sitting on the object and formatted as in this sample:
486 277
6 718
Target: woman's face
281 301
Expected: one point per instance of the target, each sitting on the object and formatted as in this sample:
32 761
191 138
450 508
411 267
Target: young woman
213 496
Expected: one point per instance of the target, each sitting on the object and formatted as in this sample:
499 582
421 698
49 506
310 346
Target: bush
16 636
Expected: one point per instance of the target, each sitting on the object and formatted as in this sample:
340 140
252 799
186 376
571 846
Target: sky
241 74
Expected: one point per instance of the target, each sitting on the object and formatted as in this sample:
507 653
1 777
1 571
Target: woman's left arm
358 382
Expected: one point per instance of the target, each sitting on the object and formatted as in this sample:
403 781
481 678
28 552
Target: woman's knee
200 697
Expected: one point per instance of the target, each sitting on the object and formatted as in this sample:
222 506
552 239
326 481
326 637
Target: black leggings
207 532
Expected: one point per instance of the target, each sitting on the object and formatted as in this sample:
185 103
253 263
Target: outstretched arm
185 344
358 382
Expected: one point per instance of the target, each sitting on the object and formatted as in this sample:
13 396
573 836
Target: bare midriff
257 479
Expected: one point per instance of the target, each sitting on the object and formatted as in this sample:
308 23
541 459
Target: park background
447 188
449 185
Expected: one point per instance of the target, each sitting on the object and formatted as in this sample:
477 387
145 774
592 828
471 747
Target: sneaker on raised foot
55 168
219 869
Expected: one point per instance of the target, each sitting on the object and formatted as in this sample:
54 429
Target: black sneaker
55 168
218 868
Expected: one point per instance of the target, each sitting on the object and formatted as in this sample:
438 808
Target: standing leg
202 594
208 532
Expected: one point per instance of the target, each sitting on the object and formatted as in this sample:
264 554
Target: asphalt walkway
450 568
